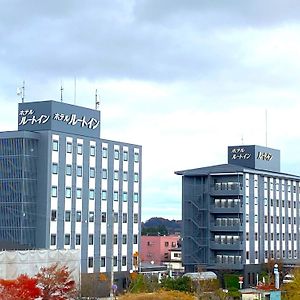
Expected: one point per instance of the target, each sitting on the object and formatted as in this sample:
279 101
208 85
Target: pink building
155 249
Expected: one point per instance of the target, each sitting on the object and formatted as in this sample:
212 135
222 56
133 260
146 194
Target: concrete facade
156 249
236 217
65 187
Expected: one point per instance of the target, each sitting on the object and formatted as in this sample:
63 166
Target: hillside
161 226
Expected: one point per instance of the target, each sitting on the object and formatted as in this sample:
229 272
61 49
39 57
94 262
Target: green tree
291 290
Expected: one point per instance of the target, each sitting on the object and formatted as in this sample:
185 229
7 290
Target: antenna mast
61 92
97 102
266 116
75 90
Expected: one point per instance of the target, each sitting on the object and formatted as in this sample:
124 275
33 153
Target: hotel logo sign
28 116
264 156
239 153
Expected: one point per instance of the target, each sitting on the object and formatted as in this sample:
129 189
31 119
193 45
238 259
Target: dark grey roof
229 168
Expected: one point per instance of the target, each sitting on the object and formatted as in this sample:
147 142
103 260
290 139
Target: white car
288 278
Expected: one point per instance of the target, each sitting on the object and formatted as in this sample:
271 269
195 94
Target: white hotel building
64 187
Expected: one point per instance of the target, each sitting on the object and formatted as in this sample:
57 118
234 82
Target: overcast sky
184 79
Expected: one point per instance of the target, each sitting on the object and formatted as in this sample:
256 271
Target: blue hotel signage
255 157
58 116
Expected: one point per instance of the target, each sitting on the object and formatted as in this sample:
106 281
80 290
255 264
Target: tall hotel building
237 216
64 187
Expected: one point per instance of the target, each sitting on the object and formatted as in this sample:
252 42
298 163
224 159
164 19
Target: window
67 239
125 196
55 145
115 261
53 240
79 193
116 175
115 239
54 168
78 216
102 261
54 191
136 157
92 151
69 147
123 261
104 195
116 154
135 218
91 239
53 215
115 217
256 219
67 216
166 244
136 197
124 239
79 171
104 152
91 216
68 192
247 236
78 239
136 177
247 218
125 155
79 149
104 174
68 170
91 262
92 172
103 217
103 239
92 194
135 239
124 217
116 195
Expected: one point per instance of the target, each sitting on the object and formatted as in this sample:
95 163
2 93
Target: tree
56 283
292 289
22 288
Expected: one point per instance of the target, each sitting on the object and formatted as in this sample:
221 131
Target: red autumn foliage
55 283
22 288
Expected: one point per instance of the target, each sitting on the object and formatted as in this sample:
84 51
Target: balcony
233 228
216 245
226 189
227 206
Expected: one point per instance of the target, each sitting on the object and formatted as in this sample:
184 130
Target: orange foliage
56 283
22 288
102 277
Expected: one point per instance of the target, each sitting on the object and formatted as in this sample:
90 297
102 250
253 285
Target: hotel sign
254 157
29 116
239 153
59 117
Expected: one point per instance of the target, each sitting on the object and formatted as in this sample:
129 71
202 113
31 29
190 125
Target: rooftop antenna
266 119
21 91
97 102
75 90
61 92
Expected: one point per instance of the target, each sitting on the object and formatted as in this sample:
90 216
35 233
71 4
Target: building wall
88 189
157 248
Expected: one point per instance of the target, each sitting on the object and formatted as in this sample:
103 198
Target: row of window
271 236
103 261
271 254
69 149
92 172
67 239
68 194
78 216
280 220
